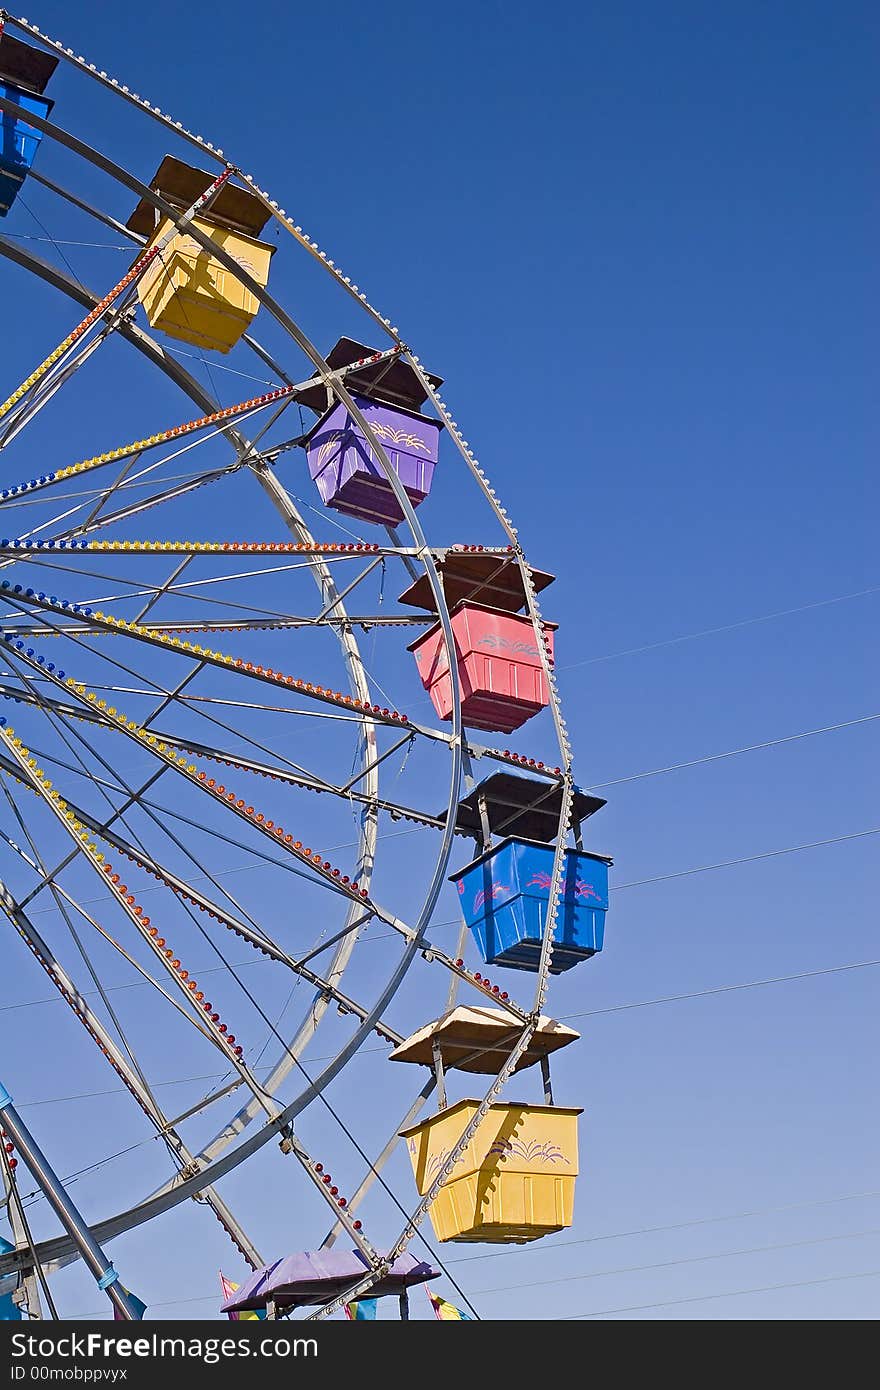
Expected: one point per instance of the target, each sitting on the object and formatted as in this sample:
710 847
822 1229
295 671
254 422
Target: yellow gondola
186 292
514 1181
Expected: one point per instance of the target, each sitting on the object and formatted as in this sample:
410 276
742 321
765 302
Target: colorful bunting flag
446 1312
362 1311
227 1288
139 1307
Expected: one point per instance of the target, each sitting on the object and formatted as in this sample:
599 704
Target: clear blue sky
639 242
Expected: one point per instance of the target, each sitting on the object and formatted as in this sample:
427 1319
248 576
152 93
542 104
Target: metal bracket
437 1055
545 1077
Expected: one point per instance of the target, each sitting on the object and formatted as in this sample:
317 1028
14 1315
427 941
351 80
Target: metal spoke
114 487
140 812
29 410
248 931
28 932
59 892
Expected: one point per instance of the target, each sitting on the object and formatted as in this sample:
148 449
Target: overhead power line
721 989
616 888
210 1298
547 1248
733 1293
214 1298
746 859
56 242
563 1018
654 772
684 1260
734 752
725 627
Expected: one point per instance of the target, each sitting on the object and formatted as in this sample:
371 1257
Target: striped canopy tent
316 1276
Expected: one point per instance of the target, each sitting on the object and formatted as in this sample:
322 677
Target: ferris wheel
240 638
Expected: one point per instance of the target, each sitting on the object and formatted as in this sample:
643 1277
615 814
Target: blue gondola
24 72
504 894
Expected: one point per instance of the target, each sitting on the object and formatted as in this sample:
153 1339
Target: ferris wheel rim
443 858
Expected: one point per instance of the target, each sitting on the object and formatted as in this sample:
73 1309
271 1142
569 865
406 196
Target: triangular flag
139 1307
227 1288
362 1311
447 1312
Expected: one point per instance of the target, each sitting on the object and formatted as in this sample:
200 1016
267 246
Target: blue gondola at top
24 72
